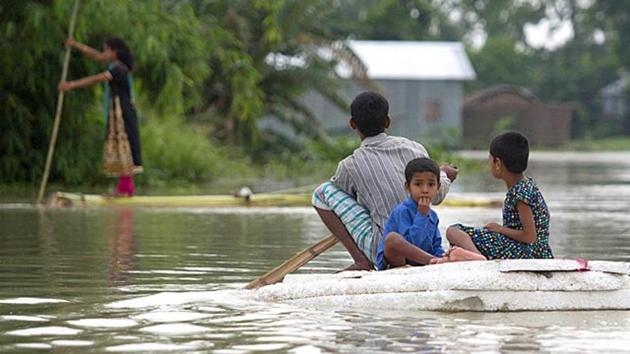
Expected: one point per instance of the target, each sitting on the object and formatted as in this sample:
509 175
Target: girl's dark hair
369 111
122 51
421 164
513 150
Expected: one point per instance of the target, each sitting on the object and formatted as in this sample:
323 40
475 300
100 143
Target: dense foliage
205 78
171 59
197 59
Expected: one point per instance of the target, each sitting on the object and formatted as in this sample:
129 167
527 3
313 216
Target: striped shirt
375 176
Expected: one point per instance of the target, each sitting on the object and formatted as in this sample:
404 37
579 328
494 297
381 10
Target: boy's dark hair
369 111
513 150
419 165
122 51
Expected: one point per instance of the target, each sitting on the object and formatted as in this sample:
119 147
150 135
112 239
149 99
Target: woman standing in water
122 156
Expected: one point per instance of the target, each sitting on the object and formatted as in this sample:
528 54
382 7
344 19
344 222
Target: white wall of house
418 108
614 97
421 80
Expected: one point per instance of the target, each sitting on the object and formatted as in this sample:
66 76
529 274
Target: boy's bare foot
439 260
357 266
458 254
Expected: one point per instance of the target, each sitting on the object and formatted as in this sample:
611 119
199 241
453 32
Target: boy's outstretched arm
450 170
445 185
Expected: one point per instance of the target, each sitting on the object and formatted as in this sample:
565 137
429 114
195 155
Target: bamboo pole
277 274
53 137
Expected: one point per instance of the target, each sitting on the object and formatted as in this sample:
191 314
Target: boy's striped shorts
354 216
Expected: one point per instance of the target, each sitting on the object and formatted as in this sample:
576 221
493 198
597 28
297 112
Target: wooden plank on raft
293 264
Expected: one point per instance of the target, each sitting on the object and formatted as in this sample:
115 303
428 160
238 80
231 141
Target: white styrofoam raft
508 285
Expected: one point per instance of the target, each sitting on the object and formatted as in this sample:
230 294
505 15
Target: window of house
433 110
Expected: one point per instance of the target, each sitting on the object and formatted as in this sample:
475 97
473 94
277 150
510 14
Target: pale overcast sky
543 34
549 33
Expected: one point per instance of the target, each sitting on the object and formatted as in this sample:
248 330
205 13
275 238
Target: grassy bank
183 158
604 144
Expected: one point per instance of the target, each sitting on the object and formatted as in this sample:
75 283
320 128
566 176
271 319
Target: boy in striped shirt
369 183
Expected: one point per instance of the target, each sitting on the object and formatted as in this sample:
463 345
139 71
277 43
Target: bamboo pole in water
53 137
62 199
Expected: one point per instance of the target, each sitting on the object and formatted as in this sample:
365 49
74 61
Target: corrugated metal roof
617 87
411 60
489 93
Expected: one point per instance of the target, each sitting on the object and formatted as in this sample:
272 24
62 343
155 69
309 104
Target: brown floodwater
150 280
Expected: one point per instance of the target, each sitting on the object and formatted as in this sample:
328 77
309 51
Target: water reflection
121 245
147 280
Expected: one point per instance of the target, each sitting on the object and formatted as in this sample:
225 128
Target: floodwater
151 280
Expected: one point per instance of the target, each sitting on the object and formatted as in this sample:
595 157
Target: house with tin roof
498 108
615 97
423 82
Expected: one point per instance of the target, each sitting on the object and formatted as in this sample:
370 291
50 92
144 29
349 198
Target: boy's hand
494 227
451 171
424 205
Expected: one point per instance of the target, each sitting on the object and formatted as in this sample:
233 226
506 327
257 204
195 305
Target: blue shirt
374 175
418 229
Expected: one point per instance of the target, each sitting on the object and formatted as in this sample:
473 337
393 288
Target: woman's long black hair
122 51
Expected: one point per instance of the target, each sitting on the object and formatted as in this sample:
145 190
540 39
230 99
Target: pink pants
125 186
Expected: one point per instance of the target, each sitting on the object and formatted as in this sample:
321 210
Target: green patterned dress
494 245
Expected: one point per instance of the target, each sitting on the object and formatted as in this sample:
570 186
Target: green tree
206 59
295 33
170 65
500 62
494 18
575 71
614 18
383 19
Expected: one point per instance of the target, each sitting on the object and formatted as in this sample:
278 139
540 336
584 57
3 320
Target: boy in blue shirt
411 234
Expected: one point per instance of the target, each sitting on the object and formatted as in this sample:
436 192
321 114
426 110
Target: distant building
615 97
489 111
421 80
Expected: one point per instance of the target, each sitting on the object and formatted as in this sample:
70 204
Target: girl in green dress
525 229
